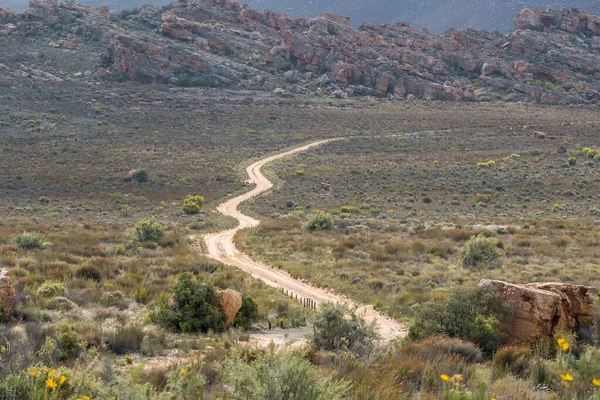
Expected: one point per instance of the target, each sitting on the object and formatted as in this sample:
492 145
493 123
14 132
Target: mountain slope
435 15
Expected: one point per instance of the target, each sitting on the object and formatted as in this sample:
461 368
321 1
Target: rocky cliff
552 56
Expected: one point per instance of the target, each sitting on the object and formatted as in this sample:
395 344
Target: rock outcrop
231 303
551 57
543 309
8 298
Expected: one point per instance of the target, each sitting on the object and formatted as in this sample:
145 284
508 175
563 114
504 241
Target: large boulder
543 309
8 298
231 303
528 19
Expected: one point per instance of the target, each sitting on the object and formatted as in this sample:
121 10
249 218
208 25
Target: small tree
472 314
247 313
193 204
481 252
319 220
338 328
193 307
148 229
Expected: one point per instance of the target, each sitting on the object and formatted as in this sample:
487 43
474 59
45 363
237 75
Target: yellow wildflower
195 362
51 383
182 371
44 369
566 384
457 384
63 379
596 382
33 372
445 377
52 372
84 398
566 377
564 345
457 377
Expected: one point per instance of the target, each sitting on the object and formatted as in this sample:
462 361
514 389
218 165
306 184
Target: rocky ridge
552 56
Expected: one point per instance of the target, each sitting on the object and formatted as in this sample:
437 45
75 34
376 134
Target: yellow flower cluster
455 379
564 345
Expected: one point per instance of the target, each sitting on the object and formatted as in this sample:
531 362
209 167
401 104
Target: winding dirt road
222 248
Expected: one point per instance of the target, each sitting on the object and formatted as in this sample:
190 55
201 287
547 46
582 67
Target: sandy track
221 247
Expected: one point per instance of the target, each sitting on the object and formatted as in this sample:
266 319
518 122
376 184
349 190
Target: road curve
222 248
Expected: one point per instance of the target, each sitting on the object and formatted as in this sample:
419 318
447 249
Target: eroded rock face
528 19
8 298
543 309
231 303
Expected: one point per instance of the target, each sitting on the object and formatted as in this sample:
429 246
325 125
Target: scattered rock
8 298
231 303
543 309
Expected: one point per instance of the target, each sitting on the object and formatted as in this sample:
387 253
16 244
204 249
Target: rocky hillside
552 56
437 16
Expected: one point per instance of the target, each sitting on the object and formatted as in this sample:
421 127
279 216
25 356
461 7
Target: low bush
481 252
192 204
472 314
147 229
318 221
51 289
126 338
337 328
29 240
247 314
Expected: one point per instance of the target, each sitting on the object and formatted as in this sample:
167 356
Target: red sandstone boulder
8 298
231 303
528 19
543 309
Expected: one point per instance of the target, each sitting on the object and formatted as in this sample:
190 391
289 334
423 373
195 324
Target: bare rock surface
231 303
543 309
8 298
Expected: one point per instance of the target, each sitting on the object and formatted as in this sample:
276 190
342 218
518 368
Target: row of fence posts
304 301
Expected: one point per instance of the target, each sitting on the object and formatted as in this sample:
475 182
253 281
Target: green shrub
318 221
66 337
148 229
193 204
281 375
338 328
472 314
29 240
483 198
51 289
89 272
350 209
126 211
572 161
481 252
193 307
247 314
486 164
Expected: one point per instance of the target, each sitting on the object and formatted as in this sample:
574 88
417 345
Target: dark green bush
338 328
247 313
66 337
148 229
319 220
194 307
473 314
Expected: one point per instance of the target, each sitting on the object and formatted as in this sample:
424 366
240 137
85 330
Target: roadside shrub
337 328
192 204
147 229
29 240
318 221
247 314
473 314
481 252
193 307
51 289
